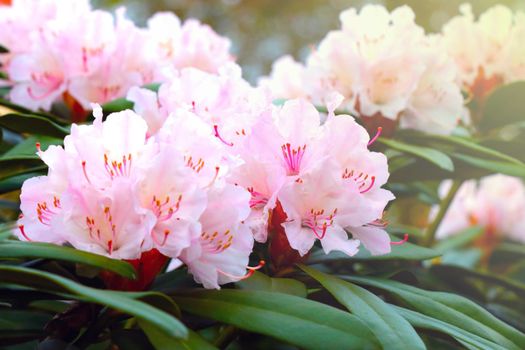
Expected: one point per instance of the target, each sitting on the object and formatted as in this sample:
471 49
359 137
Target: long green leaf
35 250
11 166
163 342
450 308
32 124
301 322
419 320
492 165
431 155
116 300
392 330
259 281
28 146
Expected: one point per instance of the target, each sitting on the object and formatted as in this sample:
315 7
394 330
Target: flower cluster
65 51
496 202
384 65
199 170
488 52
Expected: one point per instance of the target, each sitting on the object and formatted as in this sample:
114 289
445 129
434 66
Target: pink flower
191 44
488 52
496 202
40 77
220 254
226 102
323 176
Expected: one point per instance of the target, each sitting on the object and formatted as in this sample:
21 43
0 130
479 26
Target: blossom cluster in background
488 52
65 51
386 68
496 203
198 170
389 69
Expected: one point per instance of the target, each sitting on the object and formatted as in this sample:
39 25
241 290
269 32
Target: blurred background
263 30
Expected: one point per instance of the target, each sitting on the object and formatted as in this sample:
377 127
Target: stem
430 234
227 335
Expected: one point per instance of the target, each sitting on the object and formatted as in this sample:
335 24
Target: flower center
45 213
318 222
216 242
164 210
364 181
257 200
292 158
103 229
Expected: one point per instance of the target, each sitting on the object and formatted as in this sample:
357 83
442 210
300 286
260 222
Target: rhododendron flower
114 191
488 52
226 102
386 69
496 202
106 56
323 177
191 44
221 252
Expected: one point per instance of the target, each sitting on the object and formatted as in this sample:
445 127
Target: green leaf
419 320
121 104
22 319
455 272
450 308
32 124
504 106
451 144
460 239
120 301
13 166
405 251
15 182
431 155
117 105
163 342
392 330
35 250
259 281
28 146
492 165
298 321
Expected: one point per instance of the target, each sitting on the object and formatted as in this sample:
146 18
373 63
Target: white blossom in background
385 67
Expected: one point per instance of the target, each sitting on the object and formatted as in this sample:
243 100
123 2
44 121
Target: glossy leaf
468 339
392 330
33 124
162 341
298 321
450 308
259 281
15 182
492 166
28 146
35 250
431 155
120 301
